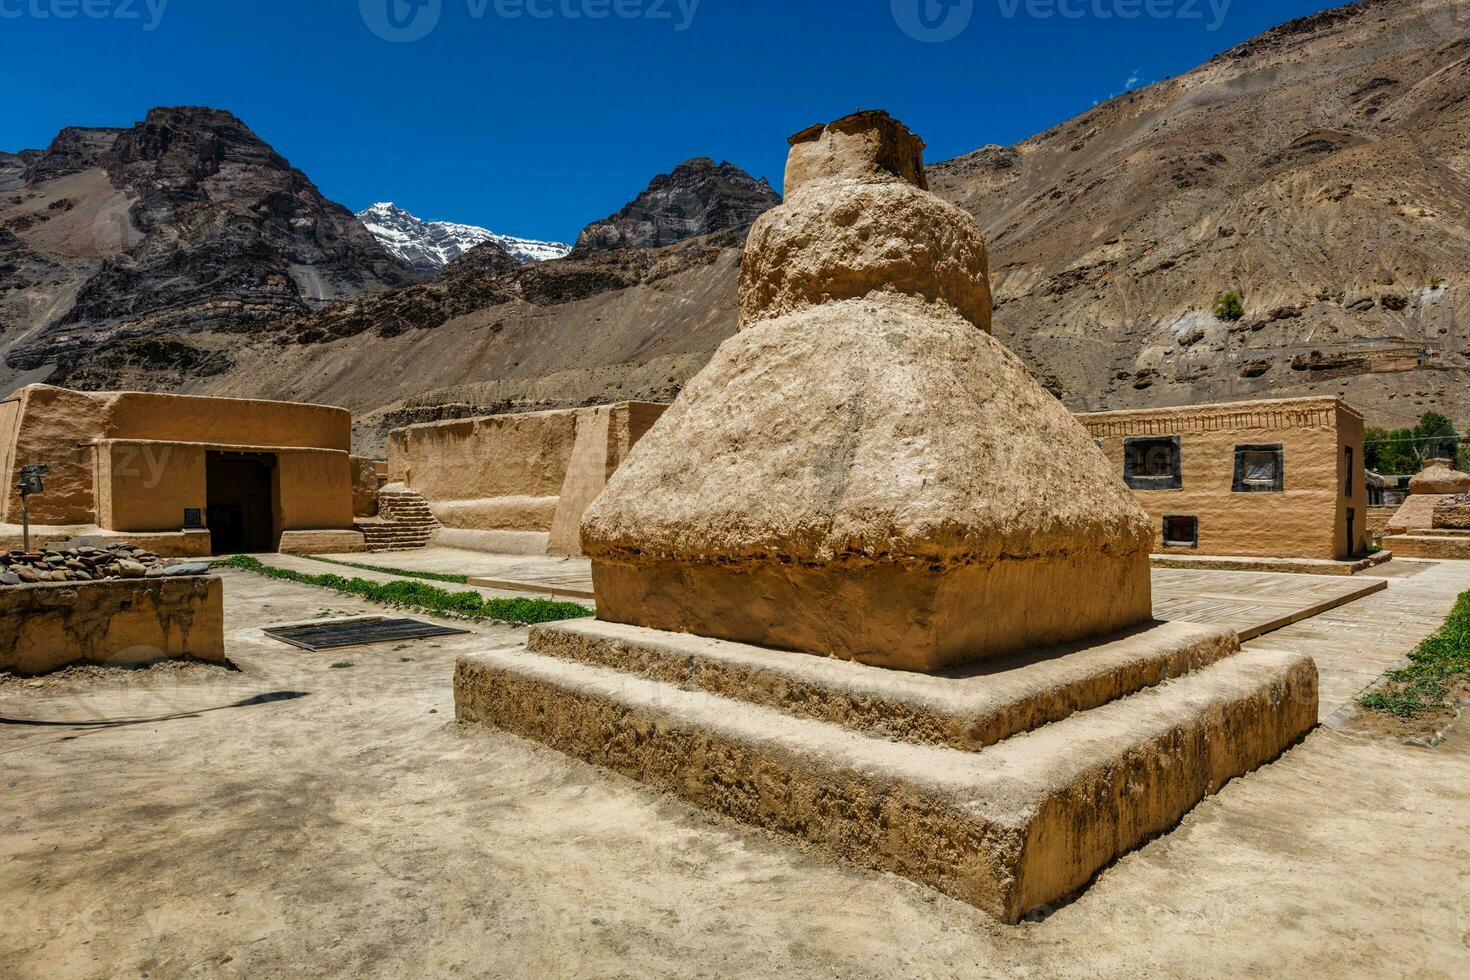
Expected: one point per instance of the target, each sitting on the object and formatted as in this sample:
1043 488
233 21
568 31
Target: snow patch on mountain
428 246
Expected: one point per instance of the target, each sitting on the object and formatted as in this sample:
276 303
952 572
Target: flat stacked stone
90 564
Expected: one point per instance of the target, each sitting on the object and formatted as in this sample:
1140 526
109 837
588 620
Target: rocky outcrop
864 472
184 223
486 278
699 197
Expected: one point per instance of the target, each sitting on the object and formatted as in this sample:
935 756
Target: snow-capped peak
428 246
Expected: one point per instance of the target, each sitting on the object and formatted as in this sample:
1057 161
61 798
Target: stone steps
1007 787
404 522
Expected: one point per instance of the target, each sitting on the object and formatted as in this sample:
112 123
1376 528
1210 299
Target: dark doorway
1352 529
240 502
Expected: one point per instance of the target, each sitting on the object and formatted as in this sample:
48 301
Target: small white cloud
1132 82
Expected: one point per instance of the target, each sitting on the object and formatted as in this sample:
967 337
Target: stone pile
90 564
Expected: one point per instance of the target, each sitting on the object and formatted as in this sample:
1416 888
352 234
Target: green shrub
423 596
1230 306
1434 667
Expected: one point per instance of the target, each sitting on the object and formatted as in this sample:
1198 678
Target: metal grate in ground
358 632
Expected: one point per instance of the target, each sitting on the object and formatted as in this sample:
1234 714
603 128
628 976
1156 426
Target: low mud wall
517 483
48 626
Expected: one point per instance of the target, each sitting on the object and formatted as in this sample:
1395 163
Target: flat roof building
1277 479
188 475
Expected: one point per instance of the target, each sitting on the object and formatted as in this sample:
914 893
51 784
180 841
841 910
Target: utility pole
30 482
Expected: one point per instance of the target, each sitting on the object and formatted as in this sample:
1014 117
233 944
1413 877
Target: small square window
1181 532
1258 469
1152 464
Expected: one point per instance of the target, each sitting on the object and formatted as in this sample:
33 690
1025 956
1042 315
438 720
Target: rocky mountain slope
1321 170
132 243
428 246
697 198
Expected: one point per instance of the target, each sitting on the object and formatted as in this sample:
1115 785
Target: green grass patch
405 573
420 595
1436 668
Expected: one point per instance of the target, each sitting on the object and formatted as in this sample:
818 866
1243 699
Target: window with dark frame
1348 486
1181 531
1152 463
1259 469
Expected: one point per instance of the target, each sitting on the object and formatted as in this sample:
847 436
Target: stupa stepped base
1430 543
1007 785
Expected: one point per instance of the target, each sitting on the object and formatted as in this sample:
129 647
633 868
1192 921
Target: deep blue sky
535 126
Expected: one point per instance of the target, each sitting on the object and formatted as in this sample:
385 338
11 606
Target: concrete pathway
1354 644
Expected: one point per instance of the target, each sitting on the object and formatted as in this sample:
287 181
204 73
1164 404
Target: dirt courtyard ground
359 831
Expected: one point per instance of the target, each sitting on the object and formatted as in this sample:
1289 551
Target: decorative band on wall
1173 424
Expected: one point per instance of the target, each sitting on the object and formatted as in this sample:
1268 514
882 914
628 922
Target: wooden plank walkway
1252 603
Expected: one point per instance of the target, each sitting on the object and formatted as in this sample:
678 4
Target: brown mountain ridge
1320 170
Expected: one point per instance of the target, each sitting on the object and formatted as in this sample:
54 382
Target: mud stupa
1434 520
865 474
863 471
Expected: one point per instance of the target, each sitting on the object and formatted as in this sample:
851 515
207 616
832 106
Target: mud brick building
1281 478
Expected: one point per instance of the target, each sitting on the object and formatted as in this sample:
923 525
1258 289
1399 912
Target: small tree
1230 306
1392 451
1438 438
1462 457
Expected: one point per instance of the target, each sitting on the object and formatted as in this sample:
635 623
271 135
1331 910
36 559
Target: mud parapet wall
519 481
49 626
